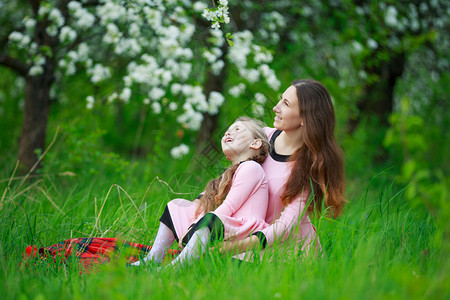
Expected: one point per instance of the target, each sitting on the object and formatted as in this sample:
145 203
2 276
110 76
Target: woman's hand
241 246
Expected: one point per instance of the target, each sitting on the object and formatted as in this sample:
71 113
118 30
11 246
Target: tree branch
14 64
34 5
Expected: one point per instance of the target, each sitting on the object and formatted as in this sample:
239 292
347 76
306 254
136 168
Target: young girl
237 200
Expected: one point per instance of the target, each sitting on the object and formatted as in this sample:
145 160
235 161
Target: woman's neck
288 142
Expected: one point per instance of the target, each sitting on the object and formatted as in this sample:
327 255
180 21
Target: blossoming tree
160 49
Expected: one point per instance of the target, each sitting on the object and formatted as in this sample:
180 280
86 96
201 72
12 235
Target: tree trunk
35 116
209 123
378 99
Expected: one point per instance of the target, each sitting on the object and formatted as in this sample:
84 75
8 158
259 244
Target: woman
237 200
304 162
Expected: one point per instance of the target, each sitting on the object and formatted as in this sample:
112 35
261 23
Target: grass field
380 248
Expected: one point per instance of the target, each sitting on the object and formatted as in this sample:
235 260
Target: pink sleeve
246 180
290 217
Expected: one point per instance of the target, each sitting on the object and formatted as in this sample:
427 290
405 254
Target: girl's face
238 141
287 112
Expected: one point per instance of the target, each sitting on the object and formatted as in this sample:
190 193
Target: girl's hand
180 245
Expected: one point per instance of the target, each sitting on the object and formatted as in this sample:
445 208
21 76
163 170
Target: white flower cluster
125 95
217 15
99 73
237 90
258 105
20 39
261 55
84 19
269 75
194 105
239 53
38 66
67 34
156 93
179 151
242 46
110 12
150 73
90 102
215 101
274 22
199 6
53 15
212 57
391 16
80 55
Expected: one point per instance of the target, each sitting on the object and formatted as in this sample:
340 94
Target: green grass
380 248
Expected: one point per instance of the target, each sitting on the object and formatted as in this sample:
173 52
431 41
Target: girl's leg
195 247
164 239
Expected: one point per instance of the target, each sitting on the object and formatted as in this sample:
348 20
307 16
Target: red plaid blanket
90 251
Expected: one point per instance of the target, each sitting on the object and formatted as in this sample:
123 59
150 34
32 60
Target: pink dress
242 212
284 220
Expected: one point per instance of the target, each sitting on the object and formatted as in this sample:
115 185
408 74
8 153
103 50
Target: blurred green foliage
349 46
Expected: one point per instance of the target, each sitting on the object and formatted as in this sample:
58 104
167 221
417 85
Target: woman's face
237 140
287 112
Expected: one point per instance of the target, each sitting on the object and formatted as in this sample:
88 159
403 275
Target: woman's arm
280 229
241 246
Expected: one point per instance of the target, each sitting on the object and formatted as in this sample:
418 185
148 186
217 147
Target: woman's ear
256 144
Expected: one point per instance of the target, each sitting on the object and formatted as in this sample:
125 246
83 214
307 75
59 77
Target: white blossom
56 17
156 93
190 118
237 90
112 35
112 97
217 67
125 95
156 107
214 102
251 75
99 73
179 151
29 23
391 16
36 70
20 39
89 102
110 12
357 46
84 19
241 49
372 44
258 110
260 98
67 34
175 88
199 6
173 106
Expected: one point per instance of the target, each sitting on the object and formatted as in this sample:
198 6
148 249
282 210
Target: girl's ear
256 144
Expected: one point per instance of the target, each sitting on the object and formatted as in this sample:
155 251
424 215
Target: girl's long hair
217 189
318 163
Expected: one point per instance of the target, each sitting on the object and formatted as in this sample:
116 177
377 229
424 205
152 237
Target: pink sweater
242 212
284 220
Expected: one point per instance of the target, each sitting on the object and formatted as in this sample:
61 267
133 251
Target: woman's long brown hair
217 189
318 163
